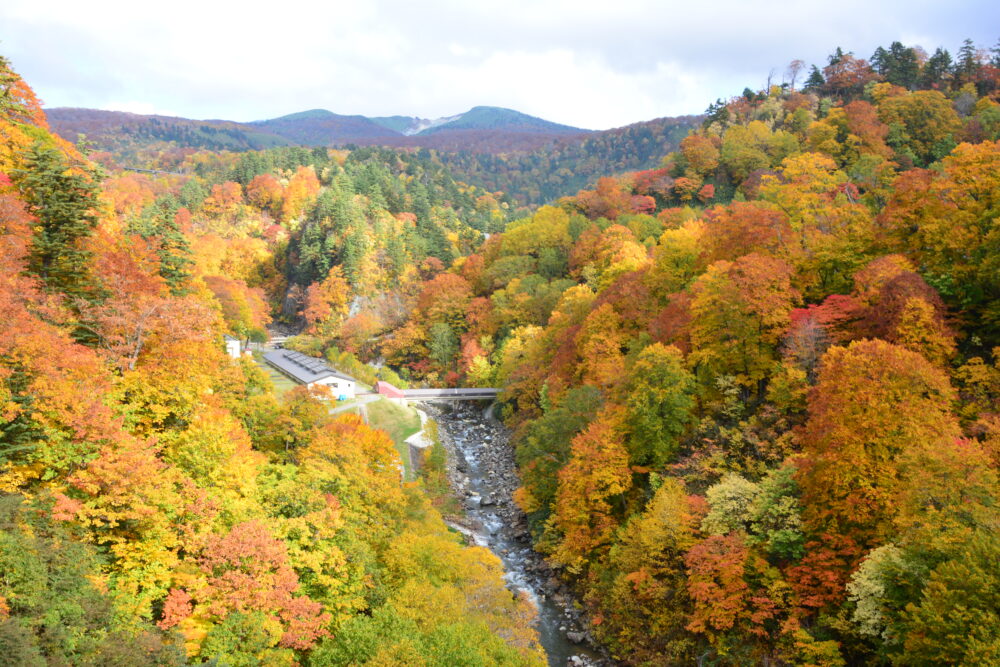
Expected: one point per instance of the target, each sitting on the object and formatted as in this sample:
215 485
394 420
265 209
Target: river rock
480 466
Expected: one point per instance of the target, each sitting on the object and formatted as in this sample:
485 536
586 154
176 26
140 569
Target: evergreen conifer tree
815 79
62 198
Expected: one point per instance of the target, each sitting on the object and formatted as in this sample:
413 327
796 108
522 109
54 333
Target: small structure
312 372
233 346
388 390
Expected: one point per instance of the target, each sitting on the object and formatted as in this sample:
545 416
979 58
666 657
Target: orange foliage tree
874 406
596 473
327 303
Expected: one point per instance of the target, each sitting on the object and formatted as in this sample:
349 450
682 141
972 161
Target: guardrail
451 394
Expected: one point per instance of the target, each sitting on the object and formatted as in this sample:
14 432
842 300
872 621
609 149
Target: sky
588 64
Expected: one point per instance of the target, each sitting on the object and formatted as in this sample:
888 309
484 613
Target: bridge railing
449 393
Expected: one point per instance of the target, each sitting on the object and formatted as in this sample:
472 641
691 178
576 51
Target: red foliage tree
247 570
721 571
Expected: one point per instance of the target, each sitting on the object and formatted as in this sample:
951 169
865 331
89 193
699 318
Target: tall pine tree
62 198
159 222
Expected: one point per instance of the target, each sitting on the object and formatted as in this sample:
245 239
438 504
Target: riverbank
483 476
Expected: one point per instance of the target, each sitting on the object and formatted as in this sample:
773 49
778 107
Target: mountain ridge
498 149
311 127
490 117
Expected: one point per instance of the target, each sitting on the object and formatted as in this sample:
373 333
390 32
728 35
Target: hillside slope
121 132
163 504
498 118
319 127
562 166
531 159
755 393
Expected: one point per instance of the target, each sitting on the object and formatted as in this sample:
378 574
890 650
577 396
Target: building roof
302 367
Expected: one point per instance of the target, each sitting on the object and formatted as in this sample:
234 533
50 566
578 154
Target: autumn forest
752 388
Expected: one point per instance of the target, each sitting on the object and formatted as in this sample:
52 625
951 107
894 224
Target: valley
743 371
482 473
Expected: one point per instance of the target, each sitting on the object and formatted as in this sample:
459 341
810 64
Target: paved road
359 400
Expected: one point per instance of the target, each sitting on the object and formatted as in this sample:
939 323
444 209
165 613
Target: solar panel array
302 367
311 364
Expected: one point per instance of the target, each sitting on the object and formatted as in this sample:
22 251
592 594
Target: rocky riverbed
483 476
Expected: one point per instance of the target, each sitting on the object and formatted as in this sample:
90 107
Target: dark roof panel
302 367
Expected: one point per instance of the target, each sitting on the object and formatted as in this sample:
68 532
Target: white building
233 346
311 372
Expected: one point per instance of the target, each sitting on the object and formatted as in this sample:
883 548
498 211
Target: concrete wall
419 445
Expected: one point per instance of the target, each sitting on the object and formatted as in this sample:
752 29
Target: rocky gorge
483 477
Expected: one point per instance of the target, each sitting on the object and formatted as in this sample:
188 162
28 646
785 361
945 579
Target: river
483 476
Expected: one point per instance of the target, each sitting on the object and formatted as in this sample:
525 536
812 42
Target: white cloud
582 62
563 86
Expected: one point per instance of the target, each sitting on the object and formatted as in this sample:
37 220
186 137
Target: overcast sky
589 64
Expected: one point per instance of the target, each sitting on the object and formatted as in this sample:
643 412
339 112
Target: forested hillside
754 387
127 135
755 393
160 505
531 160
546 173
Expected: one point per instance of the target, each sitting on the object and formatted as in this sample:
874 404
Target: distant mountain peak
319 127
486 107
488 128
482 117
310 114
499 118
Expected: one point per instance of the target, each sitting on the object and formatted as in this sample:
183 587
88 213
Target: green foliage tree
160 222
937 69
956 621
815 79
730 504
968 61
740 311
776 515
543 448
63 198
443 343
246 640
53 613
659 402
922 125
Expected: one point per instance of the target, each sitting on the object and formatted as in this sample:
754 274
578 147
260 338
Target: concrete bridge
153 171
460 394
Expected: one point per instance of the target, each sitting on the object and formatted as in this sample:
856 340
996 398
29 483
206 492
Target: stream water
483 475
